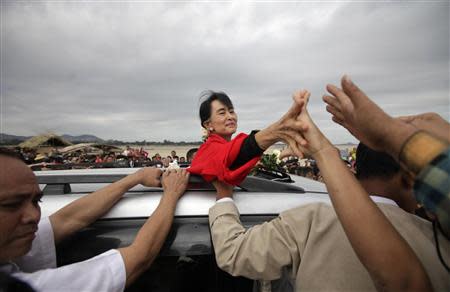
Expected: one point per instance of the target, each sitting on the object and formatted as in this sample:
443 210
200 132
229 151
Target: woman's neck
226 137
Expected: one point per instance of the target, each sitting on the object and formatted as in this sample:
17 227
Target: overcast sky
134 70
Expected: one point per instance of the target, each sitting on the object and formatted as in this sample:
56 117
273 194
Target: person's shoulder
399 216
311 210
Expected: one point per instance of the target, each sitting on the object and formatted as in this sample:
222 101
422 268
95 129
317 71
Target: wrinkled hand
174 182
288 152
288 126
430 122
314 139
223 189
150 176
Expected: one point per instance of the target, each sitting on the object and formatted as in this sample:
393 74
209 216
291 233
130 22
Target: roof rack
58 184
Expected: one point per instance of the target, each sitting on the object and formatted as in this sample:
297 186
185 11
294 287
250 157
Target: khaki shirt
310 243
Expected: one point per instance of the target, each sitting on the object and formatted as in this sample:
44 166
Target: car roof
268 198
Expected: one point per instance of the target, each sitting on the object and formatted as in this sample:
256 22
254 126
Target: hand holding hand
174 182
150 176
286 126
315 141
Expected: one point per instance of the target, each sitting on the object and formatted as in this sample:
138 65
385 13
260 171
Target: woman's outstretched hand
287 126
314 142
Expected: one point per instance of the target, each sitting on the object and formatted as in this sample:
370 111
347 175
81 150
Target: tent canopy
45 140
90 147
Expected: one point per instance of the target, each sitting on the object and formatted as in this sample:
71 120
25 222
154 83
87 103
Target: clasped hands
298 131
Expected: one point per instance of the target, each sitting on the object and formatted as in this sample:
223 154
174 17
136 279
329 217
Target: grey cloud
135 70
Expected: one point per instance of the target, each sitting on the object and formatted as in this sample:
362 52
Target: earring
211 129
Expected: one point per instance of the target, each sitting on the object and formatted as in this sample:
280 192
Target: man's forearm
149 240
390 261
89 208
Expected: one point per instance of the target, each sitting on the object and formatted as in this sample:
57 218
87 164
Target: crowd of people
367 238
138 157
129 157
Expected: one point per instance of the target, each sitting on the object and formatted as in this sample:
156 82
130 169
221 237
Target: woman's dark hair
208 97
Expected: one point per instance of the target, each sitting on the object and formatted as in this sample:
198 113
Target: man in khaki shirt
309 241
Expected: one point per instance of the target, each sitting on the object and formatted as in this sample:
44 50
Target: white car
186 261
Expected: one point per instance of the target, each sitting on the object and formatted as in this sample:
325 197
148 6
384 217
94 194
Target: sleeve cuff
256 149
223 200
117 268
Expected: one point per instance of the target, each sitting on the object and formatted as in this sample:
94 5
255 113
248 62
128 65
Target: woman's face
223 120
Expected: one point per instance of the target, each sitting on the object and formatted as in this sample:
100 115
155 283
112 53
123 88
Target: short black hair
208 97
191 153
370 163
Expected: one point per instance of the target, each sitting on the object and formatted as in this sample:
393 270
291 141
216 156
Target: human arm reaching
355 111
86 210
231 159
150 238
390 261
413 141
259 252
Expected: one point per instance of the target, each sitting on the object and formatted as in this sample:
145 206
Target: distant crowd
138 157
307 167
130 157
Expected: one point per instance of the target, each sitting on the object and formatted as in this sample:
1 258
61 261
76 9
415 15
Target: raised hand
354 110
314 139
286 127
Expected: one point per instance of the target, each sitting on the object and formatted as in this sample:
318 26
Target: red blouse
216 155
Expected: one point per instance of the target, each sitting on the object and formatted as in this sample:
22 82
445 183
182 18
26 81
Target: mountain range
7 138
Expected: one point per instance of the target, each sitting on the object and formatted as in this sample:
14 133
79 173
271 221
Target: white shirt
105 272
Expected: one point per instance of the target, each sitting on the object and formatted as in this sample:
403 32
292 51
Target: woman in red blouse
230 160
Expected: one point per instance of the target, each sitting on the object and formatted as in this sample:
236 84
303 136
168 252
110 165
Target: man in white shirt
27 244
